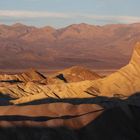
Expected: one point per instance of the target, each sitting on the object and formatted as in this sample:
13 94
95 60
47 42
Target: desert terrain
81 82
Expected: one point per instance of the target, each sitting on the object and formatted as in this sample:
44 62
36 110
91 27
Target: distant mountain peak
18 25
79 25
49 28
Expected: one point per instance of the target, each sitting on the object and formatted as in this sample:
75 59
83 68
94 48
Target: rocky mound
77 74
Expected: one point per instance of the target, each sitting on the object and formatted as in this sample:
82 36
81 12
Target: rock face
123 82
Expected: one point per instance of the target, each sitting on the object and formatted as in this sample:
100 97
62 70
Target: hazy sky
59 13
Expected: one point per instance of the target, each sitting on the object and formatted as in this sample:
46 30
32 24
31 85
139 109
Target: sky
60 13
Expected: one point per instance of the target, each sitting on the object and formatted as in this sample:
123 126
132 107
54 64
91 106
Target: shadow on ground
119 121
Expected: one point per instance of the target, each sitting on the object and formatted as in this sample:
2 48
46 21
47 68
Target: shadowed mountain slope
83 122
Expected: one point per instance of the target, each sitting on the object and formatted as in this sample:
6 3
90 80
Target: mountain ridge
92 46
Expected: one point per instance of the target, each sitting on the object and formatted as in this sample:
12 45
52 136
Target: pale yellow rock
30 91
58 91
125 81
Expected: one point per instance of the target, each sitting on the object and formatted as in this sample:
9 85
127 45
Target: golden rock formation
124 82
33 91
51 87
77 74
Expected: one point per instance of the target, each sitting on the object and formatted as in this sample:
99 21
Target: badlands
75 103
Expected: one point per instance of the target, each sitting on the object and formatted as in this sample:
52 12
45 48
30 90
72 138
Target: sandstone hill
77 74
124 82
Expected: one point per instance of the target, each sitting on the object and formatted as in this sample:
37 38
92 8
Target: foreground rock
52 115
78 122
33 91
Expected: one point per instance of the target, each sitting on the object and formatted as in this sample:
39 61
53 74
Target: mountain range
99 47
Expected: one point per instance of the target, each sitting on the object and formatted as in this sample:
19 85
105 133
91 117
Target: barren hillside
104 47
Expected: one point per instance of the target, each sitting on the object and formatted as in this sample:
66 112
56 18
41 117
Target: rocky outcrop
30 75
35 86
124 82
33 91
77 74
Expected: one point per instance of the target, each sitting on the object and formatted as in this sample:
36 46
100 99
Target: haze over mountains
104 47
